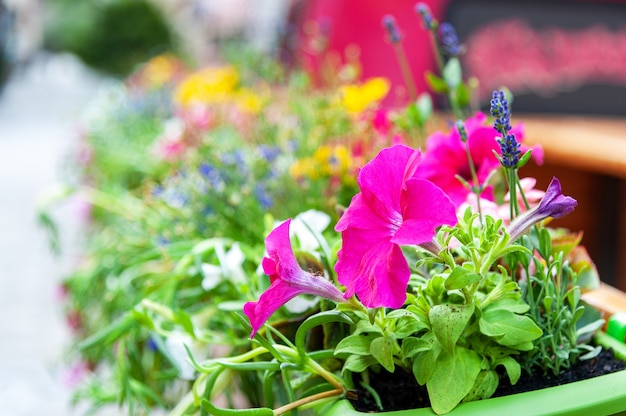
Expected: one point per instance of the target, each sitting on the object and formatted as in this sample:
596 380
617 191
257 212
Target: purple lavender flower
509 146
427 18
554 204
391 26
449 40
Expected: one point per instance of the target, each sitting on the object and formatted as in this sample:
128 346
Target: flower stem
406 70
306 400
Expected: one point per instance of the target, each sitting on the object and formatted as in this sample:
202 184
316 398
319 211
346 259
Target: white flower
304 223
230 267
175 344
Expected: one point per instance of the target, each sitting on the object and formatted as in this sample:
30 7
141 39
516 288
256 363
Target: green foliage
460 325
112 36
552 292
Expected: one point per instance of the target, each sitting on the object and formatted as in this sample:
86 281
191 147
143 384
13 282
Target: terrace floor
39 111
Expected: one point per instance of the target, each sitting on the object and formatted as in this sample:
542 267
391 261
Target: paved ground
39 110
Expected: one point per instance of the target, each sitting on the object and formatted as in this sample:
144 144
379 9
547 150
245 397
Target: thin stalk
406 70
306 400
477 187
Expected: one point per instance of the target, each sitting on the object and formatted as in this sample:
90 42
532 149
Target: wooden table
588 155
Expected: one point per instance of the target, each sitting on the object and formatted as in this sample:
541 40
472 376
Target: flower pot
602 395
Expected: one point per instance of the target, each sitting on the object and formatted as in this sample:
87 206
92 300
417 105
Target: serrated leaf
448 323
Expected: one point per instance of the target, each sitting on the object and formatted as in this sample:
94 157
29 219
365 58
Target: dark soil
399 391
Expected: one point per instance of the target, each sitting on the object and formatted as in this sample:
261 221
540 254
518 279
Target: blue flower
263 197
213 175
269 153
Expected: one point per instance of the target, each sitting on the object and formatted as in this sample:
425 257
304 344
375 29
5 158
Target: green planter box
603 395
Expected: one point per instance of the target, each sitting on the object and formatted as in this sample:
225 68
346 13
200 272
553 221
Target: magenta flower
554 204
288 280
393 208
446 157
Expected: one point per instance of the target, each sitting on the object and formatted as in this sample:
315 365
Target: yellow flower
247 100
357 98
158 70
304 168
209 85
333 161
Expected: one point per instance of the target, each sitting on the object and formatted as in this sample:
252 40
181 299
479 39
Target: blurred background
557 57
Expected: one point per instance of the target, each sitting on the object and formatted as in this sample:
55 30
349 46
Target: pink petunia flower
288 280
393 208
446 157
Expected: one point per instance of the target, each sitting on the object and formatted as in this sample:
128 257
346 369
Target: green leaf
408 326
383 350
413 115
463 95
460 278
216 411
358 363
424 362
365 327
413 345
407 322
355 344
424 104
525 158
437 84
512 367
452 73
108 334
448 323
251 366
453 378
485 385
184 320
573 296
509 329
316 320
509 304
